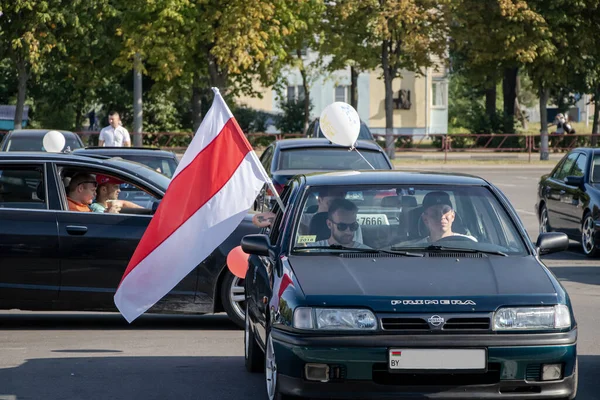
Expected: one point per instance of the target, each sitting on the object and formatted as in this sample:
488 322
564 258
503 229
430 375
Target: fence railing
482 143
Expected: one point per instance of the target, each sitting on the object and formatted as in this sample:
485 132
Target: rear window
328 159
28 143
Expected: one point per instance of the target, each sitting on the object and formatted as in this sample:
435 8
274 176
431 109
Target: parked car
314 131
285 158
55 259
159 160
568 199
32 140
475 315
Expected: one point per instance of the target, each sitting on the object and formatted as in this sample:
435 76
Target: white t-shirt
114 137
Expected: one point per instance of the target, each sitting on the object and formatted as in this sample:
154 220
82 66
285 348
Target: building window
342 93
295 93
438 94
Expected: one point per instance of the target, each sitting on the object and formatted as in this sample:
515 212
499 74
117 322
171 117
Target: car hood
404 283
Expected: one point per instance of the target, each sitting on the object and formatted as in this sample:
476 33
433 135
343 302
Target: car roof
38 132
593 150
322 142
116 151
392 177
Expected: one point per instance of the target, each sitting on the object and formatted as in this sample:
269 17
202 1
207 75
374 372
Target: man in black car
342 223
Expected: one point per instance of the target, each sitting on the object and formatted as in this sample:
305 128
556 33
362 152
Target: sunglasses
343 226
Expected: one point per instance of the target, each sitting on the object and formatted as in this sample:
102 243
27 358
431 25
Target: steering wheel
455 238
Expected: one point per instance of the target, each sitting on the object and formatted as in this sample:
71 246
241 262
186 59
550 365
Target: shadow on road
112 321
131 378
181 378
588 274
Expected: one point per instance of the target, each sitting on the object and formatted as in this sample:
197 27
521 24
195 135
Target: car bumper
358 367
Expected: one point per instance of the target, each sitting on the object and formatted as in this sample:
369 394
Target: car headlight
334 319
532 318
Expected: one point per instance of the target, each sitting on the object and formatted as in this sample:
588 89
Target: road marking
526 212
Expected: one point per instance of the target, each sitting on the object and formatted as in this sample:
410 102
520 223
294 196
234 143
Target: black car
285 158
32 140
159 160
472 313
314 131
55 259
568 199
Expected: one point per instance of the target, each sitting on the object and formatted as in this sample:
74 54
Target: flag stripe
191 243
207 174
212 124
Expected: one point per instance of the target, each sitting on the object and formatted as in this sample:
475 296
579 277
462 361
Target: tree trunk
23 76
196 103
354 87
490 104
218 78
390 143
596 122
137 102
544 94
306 92
518 111
78 111
509 92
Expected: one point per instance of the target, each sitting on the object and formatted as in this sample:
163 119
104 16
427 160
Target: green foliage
292 118
250 120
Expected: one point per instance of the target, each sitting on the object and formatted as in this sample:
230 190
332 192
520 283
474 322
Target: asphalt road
99 356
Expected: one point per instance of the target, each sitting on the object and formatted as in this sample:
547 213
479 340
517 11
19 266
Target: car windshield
165 166
330 159
35 143
403 218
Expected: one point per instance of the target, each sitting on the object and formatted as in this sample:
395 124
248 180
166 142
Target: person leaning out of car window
107 196
342 223
81 192
438 216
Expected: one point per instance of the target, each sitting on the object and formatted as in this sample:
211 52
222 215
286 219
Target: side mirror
574 181
552 242
258 244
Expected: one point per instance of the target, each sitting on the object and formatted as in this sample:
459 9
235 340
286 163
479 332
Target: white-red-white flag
212 189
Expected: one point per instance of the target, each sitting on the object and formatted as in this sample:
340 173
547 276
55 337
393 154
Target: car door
555 188
95 249
29 247
574 197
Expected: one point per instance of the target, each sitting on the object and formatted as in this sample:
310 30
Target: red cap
103 179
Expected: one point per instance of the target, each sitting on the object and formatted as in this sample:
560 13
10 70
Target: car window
266 158
330 159
596 168
163 165
130 197
22 187
564 170
579 167
28 143
407 217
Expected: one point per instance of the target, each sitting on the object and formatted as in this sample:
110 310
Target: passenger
342 223
107 200
438 216
81 192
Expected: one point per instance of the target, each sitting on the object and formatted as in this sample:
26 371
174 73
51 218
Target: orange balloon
237 262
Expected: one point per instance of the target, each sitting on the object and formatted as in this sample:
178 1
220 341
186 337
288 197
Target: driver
438 216
341 220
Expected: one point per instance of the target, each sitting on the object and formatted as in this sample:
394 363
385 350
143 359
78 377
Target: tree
348 39
27 35
411 33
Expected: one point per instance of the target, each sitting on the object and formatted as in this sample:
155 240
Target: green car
390 284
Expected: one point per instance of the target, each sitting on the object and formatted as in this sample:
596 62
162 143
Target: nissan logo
435 320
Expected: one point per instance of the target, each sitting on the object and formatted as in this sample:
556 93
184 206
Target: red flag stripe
210 170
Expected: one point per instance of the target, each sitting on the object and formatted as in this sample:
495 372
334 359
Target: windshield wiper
359 250
435 247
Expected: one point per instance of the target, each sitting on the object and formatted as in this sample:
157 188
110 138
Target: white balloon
340 123
54 141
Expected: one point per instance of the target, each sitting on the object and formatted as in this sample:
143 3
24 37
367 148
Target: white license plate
438 359
372 219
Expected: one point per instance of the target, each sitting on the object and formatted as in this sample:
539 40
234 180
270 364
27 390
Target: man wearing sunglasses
342 222
438 216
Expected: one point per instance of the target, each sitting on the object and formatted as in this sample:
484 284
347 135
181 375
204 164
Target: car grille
383 376
419 323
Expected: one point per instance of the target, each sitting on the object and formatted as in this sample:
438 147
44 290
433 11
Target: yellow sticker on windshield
307 239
